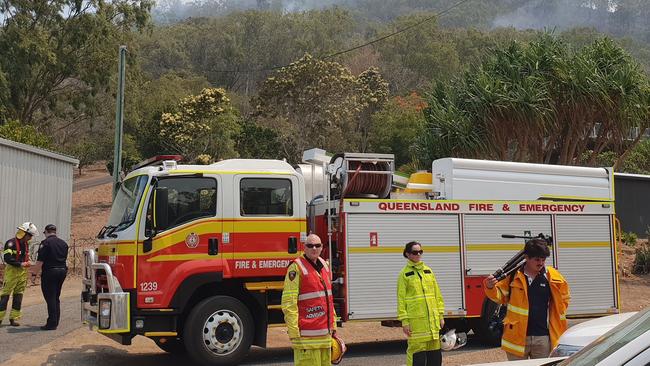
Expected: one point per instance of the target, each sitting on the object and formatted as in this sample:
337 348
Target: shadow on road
23 329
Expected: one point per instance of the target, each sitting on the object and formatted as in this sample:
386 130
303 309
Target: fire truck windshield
125 205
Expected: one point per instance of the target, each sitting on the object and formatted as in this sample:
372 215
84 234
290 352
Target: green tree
56 51
396 127
540 102
203 124
317 103
16 131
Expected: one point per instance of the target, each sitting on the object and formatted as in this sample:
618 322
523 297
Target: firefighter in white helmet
420 308
16 258
308 307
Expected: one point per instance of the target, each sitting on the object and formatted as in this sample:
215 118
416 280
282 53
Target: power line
332 55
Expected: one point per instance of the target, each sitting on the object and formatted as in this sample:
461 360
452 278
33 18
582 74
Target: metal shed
633 202
36 186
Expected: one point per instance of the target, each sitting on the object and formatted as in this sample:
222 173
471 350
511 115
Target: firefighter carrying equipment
308 310
452 340
514 293
419 306
338 349
28 228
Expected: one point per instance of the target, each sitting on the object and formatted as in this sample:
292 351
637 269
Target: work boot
14 323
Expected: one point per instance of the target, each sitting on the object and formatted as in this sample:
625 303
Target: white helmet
452 340
28 228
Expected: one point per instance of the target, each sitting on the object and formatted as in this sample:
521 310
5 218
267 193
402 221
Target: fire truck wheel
174 346
490 326
218 331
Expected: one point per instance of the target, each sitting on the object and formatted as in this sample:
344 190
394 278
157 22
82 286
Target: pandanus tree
539 102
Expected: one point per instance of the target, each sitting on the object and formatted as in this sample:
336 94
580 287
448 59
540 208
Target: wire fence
76 249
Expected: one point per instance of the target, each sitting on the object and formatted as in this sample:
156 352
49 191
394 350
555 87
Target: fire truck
194 256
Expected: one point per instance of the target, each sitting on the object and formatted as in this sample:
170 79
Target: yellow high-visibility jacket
419 301
290 294
515 294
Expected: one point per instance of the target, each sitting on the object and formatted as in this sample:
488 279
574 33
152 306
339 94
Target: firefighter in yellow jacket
16 257
308 306
420 308
537 297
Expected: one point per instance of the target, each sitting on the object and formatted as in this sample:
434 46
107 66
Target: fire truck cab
194 256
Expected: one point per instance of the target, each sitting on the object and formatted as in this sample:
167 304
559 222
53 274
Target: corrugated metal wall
36 186
373 271
632 202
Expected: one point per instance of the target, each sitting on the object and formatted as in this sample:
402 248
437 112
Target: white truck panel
586 260
461 179
372 271
486 250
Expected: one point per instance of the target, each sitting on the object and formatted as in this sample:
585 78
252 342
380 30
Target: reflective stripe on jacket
515 294
15 252
419 301
308 306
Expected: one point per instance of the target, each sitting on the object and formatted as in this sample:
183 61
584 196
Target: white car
584 333
627 344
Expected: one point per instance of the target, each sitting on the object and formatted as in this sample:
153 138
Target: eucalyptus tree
319 103
62 52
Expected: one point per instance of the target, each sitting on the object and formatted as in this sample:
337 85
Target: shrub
642 260
629 239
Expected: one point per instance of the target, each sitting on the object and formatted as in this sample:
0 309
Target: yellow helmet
338 349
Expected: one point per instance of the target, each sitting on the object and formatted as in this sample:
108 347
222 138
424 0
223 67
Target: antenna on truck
518 259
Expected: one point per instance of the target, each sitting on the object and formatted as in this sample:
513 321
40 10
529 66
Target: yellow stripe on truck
427 249
235 256
264 226
488 246
586 244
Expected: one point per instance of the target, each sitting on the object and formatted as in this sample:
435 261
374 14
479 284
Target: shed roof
39 151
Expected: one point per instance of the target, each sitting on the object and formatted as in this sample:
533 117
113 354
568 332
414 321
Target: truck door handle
213 246
293 245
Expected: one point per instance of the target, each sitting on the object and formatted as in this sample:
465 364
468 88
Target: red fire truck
194 256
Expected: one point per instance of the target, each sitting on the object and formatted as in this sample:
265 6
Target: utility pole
119 120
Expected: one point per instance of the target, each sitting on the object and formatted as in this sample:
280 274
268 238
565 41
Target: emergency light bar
157 160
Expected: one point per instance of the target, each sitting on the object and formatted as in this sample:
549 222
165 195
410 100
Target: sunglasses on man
417 252
312 246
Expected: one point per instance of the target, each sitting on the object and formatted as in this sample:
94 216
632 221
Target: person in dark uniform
52 256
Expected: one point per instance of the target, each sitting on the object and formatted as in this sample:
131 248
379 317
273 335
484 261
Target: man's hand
25 264
490 282
442 323
407 330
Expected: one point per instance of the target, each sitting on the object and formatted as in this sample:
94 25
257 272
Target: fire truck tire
490 326
218 331
174 346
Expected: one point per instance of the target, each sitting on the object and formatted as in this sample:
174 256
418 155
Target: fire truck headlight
139 324
104 314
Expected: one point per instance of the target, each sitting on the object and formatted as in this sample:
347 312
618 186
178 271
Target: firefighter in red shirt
308 306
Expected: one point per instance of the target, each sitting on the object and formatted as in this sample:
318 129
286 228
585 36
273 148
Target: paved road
91 183
23 339
105 352
28 336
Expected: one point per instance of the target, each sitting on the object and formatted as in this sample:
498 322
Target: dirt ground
90 212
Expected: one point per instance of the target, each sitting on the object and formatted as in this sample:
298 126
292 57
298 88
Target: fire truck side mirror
160 209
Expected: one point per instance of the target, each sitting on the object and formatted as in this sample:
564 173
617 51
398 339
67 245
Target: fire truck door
189 240
267 224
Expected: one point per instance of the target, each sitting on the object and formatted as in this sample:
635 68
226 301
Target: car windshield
125 205
611 341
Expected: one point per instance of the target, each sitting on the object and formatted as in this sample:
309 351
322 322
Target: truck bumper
104 307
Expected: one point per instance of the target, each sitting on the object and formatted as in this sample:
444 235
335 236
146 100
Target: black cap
50 228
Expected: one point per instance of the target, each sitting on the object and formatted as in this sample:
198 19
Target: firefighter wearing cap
16 258
52 257
308 306
420 308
